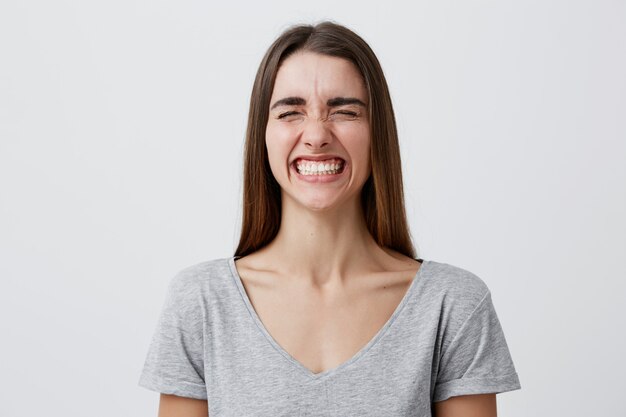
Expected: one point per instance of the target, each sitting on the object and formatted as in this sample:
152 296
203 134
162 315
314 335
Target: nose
316 133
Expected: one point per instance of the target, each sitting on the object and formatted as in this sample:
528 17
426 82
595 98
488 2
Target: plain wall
121 138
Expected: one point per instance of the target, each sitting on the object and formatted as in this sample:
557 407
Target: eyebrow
333 102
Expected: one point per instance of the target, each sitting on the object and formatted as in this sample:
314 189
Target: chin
318 206
316 202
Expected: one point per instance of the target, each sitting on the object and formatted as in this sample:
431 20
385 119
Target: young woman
324 309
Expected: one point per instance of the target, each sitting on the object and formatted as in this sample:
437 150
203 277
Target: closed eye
289 113
345 114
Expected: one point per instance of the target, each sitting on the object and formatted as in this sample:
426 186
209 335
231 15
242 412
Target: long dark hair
382 197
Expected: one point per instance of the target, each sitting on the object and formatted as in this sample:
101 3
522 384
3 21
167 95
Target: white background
122 125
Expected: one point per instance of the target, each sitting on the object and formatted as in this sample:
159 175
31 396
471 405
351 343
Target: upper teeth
318 166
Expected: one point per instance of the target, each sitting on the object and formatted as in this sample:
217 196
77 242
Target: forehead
307 74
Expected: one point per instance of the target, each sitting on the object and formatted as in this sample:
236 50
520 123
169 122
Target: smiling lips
325 167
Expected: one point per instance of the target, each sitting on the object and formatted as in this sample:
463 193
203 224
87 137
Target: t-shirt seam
477 379
456 336
160 380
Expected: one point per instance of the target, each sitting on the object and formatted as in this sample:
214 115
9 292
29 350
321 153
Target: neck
325 246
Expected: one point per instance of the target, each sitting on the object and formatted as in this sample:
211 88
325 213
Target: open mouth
317 168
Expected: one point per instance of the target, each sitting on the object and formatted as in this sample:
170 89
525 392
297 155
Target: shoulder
195 279
454 279
456 288
452 295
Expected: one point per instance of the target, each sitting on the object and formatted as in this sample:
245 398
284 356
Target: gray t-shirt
444 339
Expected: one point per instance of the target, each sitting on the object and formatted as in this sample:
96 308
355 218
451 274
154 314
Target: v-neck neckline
295 362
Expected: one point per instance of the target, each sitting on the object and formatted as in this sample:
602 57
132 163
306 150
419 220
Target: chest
323 331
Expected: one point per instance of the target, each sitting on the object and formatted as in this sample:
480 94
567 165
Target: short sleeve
477 361
175 361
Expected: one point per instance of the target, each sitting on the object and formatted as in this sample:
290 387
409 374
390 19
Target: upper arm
175 363
174 406
474 356
477 405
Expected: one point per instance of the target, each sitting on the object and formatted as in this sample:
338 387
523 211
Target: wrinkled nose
316 134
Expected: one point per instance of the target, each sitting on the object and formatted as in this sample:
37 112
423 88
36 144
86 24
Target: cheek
358 144
278 145
364 159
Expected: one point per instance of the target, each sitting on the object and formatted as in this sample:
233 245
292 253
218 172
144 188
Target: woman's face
318 134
